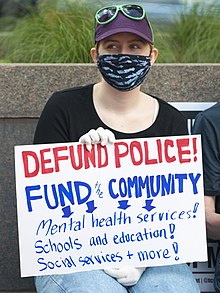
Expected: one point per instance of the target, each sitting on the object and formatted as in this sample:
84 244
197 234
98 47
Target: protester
113 108
207 123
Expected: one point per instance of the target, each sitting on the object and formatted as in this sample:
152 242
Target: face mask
124 72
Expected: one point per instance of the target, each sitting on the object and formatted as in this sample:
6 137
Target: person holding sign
207 124
115 108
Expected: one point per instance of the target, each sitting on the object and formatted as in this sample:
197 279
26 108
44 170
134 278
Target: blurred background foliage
63 32
51 34
193 37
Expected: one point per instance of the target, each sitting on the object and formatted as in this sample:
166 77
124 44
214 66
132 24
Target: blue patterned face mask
122 71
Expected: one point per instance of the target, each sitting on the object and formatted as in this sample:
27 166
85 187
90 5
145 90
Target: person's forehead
125 36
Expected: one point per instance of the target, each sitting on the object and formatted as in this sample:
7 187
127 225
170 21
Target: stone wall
24 89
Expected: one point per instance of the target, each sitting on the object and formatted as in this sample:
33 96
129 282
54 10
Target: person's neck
119 101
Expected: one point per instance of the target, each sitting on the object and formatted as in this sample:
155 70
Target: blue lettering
57 195
28 190
155 192
77 186
132 182
40 261
122 187
67 262
194 181
180 178
167 184
67 192
143 185
56 203
112 194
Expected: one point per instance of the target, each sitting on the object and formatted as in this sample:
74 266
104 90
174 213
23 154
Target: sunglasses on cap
108 13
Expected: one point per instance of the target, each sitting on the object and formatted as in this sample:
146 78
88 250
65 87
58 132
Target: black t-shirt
207 124
70 113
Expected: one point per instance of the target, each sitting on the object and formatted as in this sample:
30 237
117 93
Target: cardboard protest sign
137 202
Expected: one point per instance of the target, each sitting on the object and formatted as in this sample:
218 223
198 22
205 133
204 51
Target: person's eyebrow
110 40
137 40
140 40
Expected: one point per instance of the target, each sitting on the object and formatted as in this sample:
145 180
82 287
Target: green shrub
53 36
65 34
193 37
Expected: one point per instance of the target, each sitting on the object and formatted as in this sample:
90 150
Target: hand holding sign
100 135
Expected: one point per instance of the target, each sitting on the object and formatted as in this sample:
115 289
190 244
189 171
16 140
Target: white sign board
137 202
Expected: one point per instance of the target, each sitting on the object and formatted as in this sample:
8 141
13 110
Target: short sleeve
208 128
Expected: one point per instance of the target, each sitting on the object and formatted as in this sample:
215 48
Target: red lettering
118 154
168 143
147 160
72 157
181 143
44 161
100 150
136 145
195 148
58 158
159 148
89 156
26 155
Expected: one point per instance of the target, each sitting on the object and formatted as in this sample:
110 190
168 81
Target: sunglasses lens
106 14
133 11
